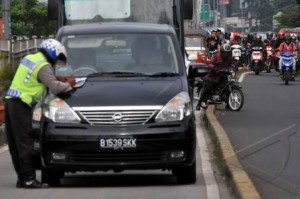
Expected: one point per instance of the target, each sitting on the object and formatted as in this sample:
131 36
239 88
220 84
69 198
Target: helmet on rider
294 37
287 39
225 51
269 35
236 35
53 51
281 34
258 38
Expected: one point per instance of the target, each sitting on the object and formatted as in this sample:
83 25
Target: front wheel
51 177
186 175
235 99
286 78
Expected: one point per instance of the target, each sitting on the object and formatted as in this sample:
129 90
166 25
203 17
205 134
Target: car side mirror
192 57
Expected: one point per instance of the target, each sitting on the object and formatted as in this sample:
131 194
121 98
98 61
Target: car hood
125 92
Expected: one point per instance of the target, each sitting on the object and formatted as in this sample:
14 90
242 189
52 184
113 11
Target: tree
290 18
29 18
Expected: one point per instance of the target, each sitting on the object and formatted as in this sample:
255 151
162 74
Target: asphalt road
265 134
129 184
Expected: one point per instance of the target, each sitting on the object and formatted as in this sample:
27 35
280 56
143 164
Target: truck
131 108
172 12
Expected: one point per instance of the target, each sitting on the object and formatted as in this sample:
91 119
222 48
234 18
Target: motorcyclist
221 60
269 40
287 46
236 38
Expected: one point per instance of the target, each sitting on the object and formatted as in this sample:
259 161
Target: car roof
116 27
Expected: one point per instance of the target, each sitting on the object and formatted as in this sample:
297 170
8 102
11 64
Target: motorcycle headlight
59 111
176 109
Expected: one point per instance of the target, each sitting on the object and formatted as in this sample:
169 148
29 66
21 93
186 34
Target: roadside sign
205 12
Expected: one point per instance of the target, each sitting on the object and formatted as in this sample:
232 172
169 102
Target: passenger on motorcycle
287 46
213 43
221 60
279 39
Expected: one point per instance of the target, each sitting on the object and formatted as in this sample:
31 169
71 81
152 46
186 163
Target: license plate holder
117 143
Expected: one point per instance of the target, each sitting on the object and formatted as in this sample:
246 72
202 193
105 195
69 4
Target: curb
242 184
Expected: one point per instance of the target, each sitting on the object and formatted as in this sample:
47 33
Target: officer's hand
71 81
61 78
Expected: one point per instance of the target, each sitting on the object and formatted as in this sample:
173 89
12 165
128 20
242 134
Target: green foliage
264 11
30 18
7 73
290 18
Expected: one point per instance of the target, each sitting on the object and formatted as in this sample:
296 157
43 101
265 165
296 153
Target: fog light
59 156
177 155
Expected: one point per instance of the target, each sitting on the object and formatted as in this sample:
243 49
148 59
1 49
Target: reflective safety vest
25 85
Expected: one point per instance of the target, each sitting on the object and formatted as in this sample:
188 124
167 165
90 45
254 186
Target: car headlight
59 111
176 109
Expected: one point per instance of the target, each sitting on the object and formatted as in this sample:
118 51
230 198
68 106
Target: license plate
202 70
115 143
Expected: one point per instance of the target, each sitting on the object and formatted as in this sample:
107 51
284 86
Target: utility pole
6 18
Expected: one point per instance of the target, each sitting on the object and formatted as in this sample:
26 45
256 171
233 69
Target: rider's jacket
218 62
284 47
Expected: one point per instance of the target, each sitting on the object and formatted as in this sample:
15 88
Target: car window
141 53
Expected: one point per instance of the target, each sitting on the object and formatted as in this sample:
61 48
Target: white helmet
54 49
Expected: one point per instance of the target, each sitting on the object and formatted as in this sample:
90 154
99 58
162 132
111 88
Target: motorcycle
236 54
287 67
269 63
226 92
257 59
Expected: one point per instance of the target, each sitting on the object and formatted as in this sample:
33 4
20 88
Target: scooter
287 67
236 54
257 59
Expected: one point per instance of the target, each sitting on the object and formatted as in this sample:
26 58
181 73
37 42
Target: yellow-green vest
25 85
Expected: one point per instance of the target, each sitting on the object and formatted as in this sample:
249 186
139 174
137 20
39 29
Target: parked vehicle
287 67
227 92
257 60
237 54
132 108
269 62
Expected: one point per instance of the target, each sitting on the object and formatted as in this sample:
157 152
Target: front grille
117 157
117 115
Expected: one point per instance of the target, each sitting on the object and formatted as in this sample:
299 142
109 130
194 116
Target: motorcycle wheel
286 78
256 69
235 99
268 64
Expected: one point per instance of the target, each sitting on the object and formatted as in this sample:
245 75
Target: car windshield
114 54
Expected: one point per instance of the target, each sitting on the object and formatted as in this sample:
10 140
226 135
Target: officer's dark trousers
18 124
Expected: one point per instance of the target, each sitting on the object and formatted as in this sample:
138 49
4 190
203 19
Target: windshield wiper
117 74
164 74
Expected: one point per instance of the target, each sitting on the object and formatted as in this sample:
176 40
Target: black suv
131 110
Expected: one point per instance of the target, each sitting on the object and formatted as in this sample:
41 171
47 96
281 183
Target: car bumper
77 147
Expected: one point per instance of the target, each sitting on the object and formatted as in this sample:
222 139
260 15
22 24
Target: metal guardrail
16 50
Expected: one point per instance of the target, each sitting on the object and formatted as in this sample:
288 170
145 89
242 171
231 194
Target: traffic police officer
33 76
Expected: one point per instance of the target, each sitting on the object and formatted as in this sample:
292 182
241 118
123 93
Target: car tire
186 175
51 177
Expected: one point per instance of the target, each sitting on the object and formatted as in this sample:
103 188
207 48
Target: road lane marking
241 78
212 189
3 149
